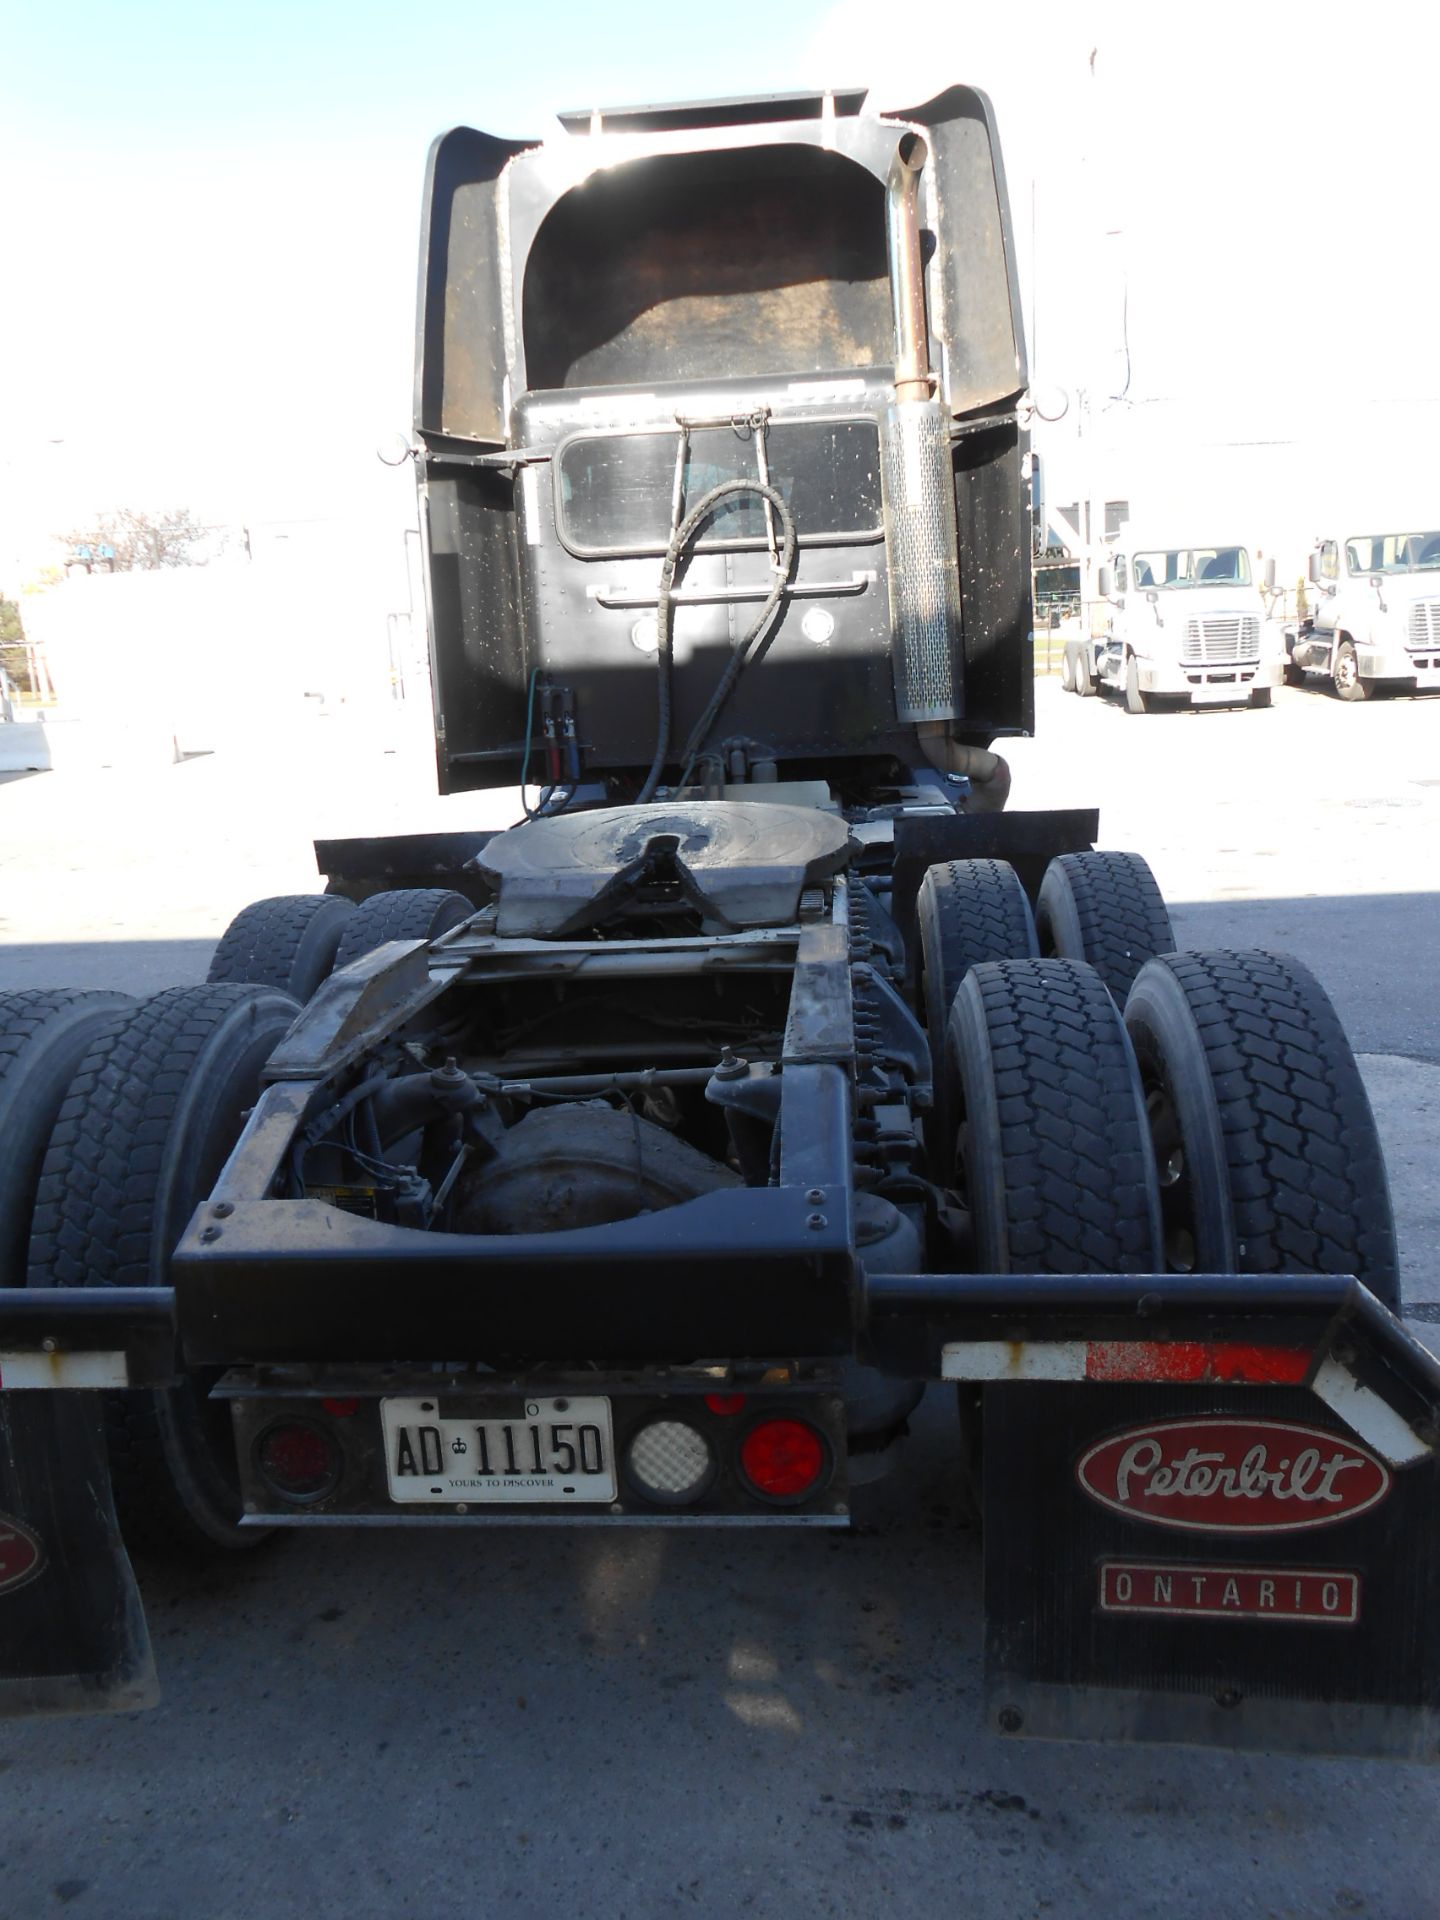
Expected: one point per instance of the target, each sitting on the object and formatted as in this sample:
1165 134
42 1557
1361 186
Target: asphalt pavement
578 1722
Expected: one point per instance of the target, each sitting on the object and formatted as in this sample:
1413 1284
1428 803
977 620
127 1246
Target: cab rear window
616 493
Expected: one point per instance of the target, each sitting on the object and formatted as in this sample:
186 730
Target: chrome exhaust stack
913 378
916 481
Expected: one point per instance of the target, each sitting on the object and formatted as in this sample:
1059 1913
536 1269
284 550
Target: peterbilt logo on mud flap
1233 1475
22 1556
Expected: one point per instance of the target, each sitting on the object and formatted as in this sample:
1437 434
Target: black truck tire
43 1038
1104 908
288 943
1085 684
1053 1149
1067 668
966 911
151 1115
1262 697
1268 1154
1345 674
415 913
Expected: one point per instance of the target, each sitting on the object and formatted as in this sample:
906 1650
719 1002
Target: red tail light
725 1403
783 1459
298 1460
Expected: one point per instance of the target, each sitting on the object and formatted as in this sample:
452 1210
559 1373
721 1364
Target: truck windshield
1393 553
615 492
1193 567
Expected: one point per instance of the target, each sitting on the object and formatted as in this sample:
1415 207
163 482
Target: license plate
550 1451
1220 694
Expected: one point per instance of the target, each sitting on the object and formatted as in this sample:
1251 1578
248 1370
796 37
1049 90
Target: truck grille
1424 625
1224 637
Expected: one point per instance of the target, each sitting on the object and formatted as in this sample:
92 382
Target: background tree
169 537
13 657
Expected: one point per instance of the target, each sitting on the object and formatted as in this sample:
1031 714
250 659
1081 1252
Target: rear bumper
1325 1333
300 1280
1333 1644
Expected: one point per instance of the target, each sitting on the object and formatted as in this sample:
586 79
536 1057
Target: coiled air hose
751 649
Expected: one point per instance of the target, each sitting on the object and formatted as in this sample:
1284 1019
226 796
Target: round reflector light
297 1460
783 1458
670 1461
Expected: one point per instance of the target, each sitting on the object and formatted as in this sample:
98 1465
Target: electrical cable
1125 333
546 807
751 649
529 735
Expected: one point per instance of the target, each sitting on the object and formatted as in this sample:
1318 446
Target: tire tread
1123 918
978 911
95 1212
1307 1173
44 1035
412 913
263 944
26 1011
1078 1181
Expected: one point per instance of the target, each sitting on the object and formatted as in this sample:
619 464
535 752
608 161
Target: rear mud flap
72 1630
1234 1569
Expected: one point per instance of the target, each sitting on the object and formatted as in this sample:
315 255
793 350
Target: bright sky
210 220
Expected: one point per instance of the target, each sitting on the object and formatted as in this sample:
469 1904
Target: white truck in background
1376 620
1186 625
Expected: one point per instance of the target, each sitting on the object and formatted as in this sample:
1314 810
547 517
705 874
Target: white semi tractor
1376 622
1186 624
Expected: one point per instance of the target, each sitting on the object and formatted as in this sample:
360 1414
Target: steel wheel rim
1177 1198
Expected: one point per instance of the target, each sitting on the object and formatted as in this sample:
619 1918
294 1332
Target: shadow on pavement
1369 951
124 966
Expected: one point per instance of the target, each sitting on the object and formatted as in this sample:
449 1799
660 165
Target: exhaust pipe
913 379
919 493
916 485
988 774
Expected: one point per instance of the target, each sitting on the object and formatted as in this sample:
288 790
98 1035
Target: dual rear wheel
1218 1123
151 1111
1038 1119
294 942
117 1118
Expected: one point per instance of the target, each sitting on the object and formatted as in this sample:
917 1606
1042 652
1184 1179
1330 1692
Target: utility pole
1094 508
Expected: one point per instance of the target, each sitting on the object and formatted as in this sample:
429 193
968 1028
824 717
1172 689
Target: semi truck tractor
646 1163
1375 626
1185 626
